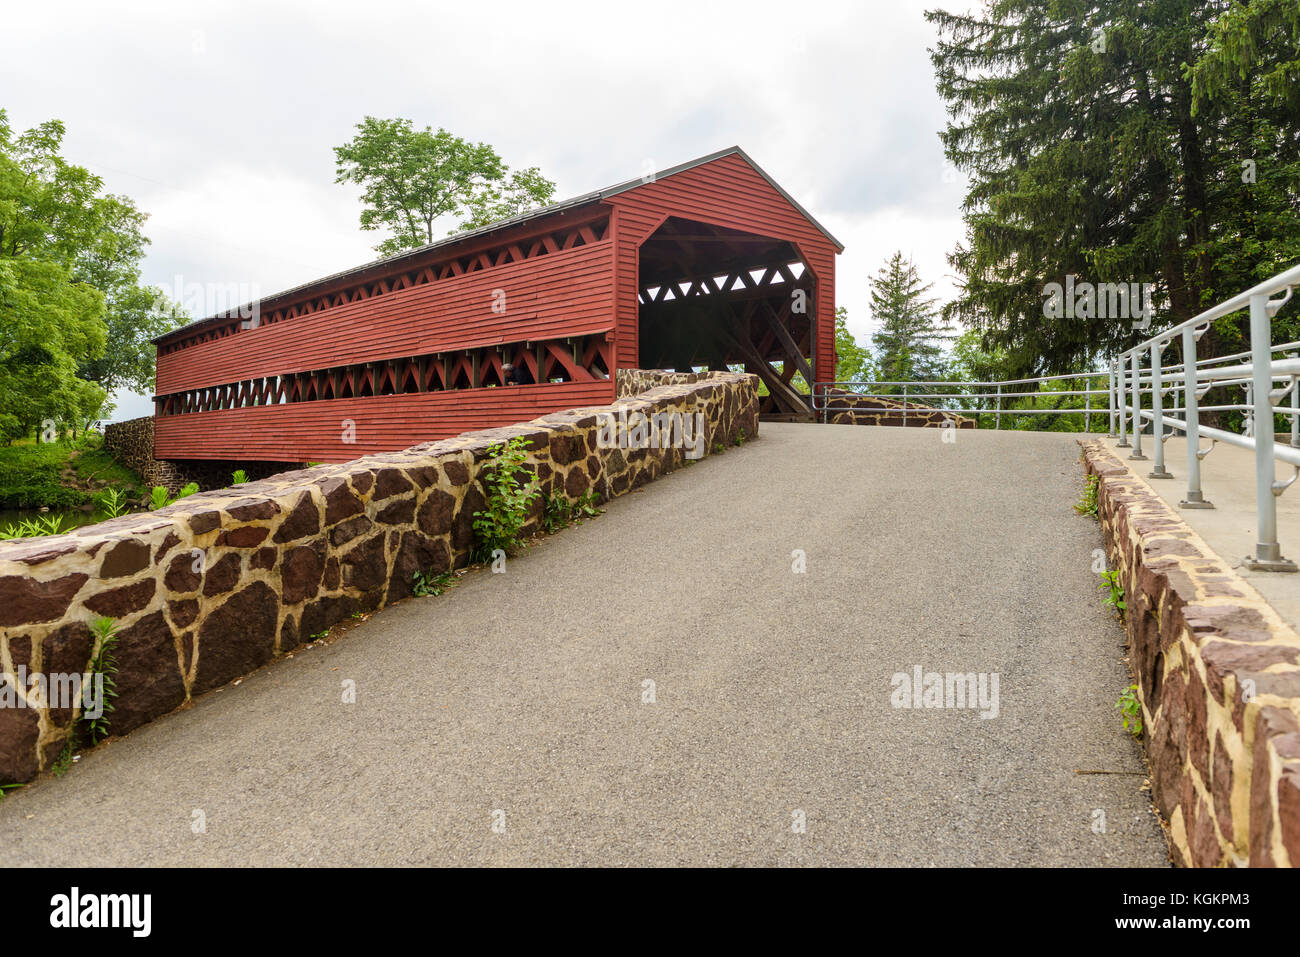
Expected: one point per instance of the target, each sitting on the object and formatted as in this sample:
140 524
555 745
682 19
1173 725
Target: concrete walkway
1230 528
523 693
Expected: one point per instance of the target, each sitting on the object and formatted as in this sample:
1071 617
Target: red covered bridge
709 263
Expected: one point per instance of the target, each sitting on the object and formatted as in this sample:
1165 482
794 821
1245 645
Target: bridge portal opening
717 298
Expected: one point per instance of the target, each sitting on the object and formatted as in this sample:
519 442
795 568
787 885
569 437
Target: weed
1110 580
33 527
740 437
105 664
112 502
422 585
1087 504
64 761
560 512
239 477
511 489
158 497
7 787
1130 711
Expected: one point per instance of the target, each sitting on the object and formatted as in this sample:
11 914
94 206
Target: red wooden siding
566 293
726 192
313 431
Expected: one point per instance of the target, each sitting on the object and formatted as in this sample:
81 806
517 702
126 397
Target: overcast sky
219 121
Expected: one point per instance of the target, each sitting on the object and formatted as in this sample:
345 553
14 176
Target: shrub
510 489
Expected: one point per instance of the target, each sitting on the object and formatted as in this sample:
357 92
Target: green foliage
1110 581
1130 710
740 437
1075 125
510 489
6 788
559 512
423 585
111 502
1255 44
910 339
853 363
412 178
74 321
63 762
159 498
239 477
105 664
1087 504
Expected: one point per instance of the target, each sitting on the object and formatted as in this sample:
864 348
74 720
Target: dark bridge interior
716 298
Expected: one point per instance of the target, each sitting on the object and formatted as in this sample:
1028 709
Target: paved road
522 693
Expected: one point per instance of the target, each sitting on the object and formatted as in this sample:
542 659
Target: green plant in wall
1110 582
103 666
509 489
740 437
239 477
1087 504
560 512
1130 711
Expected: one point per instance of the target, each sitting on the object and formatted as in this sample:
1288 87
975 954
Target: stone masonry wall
1218 674
210 588
131 443
848 408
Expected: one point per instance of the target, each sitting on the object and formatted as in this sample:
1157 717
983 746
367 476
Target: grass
62 474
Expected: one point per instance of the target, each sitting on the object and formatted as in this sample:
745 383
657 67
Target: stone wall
1218 674
131 443
222 582
848 408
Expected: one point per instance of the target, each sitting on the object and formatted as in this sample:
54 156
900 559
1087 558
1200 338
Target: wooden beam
787 341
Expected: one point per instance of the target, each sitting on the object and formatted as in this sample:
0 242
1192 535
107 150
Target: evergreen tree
1090 153
911 335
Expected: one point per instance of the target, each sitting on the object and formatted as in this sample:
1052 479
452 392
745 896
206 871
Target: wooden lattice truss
573 359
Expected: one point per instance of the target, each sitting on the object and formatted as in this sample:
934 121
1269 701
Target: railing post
904 403
1121 394
1087 406
1137 455
997 418
1192 424
1268 552
1158 415
1110 399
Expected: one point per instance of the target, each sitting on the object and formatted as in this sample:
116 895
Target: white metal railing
968 396
1269 375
